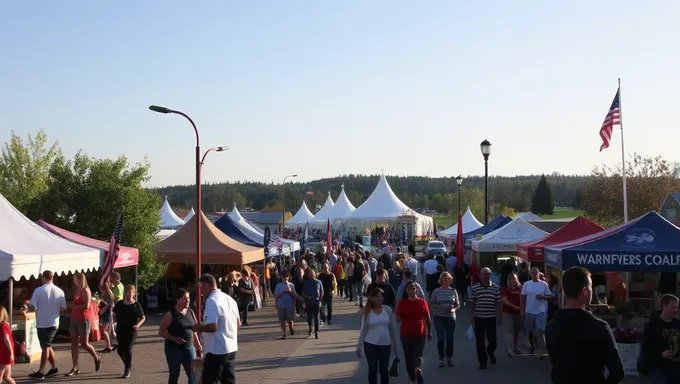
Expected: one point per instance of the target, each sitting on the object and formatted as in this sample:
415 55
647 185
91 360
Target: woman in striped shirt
444 302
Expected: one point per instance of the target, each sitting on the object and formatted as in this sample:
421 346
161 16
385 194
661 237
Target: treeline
415 191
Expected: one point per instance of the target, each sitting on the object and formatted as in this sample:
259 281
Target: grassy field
446 221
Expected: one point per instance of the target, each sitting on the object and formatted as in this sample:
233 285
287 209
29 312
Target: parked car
435 248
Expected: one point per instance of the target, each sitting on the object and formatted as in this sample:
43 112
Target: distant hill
415 191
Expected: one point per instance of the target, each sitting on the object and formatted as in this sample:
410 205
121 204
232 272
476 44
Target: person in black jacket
660 340
389 298
580 345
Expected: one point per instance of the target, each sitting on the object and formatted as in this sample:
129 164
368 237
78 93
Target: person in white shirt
377 337
534 310
220 326
47 301
412 265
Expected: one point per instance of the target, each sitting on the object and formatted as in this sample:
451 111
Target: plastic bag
394 368
471 333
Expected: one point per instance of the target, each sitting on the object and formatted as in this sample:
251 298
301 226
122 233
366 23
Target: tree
86 195
650 179
542 202
24 168
472 198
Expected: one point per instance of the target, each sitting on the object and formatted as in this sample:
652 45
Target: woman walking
444 303
182 344
510 296
106 315
377 337
313 293
414 316
80 323
129 317
341 277
6 348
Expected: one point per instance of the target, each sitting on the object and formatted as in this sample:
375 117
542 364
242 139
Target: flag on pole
460 246
613 118
112 253
329 240
303 241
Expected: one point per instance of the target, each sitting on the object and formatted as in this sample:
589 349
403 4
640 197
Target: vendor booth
495 223
470 223
506 238
256 234
532 251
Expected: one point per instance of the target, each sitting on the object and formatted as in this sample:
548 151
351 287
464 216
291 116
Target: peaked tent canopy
528 216
649 243
342 208
323 215
495 223
302 217
470 223
218 248
190 215
236 217
169 219
27 250
254 233
127 257
227 226
506 238
533 251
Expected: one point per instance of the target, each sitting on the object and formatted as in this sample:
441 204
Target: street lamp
283 209
215 149
459 181
485 147
199 207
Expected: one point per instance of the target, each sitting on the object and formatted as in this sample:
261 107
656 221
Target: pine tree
542 202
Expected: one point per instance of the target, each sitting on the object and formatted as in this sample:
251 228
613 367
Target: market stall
532 251
470 223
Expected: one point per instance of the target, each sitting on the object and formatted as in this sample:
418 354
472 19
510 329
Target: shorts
513 322
80 327
534 321
285 314
46 336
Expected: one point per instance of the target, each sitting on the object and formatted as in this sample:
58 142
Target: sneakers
37 375
449 362
419 376
492 358
441 362
53 371
284 337
126 374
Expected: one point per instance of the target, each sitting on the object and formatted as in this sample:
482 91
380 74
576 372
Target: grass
563 214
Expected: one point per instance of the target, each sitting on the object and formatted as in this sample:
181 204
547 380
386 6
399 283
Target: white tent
189 215
164 234
302 217
506 238
169 219
528 216
26 249
470 223
245 226
342 208
323 215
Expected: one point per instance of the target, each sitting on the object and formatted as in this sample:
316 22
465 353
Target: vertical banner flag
460 245
434 223
114 250
329 240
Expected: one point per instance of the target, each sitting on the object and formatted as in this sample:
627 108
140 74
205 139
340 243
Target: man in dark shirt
659 343
580 345
388 290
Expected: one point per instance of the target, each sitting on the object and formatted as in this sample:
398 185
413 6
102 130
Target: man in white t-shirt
220 326
534 310
47 301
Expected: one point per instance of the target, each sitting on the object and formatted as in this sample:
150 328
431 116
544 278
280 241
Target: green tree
86 195
542 202
24 168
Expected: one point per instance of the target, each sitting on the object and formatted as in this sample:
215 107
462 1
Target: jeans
178 357
359 290
243 311
663 376
378 359
126 340
444 327
219 369
341 288
327 307
298 306
413 354
313 314
485 327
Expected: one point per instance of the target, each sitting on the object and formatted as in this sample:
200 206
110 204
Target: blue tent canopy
492 225
649 243
226 225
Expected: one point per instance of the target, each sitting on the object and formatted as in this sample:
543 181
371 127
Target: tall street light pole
459 181
485 147
283 209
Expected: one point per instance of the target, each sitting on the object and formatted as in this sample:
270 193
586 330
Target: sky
328 88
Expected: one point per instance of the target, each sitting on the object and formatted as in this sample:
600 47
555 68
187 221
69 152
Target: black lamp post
459 181
485 146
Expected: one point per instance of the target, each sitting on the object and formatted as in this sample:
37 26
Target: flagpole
623 160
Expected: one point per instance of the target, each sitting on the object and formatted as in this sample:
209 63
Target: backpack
359 270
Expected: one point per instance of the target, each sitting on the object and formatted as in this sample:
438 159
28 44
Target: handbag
394 368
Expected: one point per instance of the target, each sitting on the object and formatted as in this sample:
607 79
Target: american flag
112 254
613 118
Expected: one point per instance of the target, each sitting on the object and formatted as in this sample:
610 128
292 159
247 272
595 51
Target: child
6 348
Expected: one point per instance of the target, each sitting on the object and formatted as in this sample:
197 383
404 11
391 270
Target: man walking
533 308
47 301
580 345
485 308
220 333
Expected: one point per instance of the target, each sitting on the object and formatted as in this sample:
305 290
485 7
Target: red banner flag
460 247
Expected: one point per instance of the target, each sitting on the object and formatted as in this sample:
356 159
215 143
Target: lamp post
199 207
283 209
485 147
459 181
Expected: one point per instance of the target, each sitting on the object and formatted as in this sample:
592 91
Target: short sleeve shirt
221 310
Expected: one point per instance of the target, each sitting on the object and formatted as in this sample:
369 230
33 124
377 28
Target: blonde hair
4 316
82 278
445 275
107 289
510 276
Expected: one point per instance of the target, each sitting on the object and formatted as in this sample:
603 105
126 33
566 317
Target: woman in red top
414 316
511 317
79 327
6 348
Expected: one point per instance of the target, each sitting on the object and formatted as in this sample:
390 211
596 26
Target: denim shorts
534 321
80 327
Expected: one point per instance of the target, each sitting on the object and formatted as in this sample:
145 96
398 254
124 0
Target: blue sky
323 88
